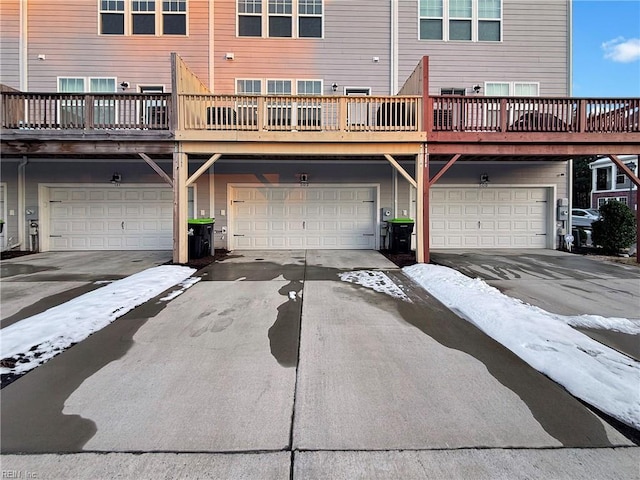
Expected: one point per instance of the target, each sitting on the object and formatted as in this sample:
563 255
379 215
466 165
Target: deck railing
300 113
85 111
534 114
130 111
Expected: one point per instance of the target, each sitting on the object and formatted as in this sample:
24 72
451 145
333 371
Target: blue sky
606 48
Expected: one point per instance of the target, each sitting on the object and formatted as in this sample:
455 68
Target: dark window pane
310 27
249 26
460 30
113 23
174 24
489 31
144 24
430 29
279 26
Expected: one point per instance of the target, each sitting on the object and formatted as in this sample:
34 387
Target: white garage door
489 217
303 217
110 218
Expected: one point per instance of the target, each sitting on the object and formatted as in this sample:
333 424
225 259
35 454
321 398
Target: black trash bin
400 230
200 237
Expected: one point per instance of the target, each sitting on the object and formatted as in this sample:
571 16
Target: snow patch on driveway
375 280
593 372
34 340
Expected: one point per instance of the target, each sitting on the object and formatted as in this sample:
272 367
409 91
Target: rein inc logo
19 474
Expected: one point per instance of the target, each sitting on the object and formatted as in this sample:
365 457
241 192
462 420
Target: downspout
570 52
570 196
393 54
21 202
24 51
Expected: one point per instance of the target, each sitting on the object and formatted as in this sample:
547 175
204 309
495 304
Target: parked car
584 217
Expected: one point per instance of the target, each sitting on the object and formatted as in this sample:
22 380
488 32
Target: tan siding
10 43
534 48
67 33
344 56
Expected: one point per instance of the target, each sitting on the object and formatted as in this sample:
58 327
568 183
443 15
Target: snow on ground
593 372
378 281
36 339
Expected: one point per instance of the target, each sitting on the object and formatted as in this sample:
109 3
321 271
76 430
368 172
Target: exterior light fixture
304 179
334 87
124 86
476 88
116 178
484 179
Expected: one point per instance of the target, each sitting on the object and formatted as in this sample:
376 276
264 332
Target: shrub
616 228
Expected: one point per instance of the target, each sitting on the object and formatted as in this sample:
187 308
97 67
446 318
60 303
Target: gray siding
10 43
67 34
534 48
354 33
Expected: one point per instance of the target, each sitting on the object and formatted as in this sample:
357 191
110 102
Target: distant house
610 183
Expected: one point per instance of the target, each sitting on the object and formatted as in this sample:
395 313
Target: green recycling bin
400 230
200 235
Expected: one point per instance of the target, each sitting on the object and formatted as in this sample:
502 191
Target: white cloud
622 50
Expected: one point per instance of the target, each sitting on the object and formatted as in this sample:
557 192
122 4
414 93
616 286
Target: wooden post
180 207
426 189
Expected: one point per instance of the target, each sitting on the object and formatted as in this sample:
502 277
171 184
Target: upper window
453 91
280 18
310 18
143 17
112 17
250 18
462 20
248 87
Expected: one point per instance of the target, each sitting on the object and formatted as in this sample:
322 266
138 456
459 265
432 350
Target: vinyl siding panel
344 56
10 43
534 49
67 33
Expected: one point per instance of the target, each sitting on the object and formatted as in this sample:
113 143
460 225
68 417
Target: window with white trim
250 18
71 111
460 20
512 89
309 87
453 91
280 18
143 17
248 87
112 17
310 18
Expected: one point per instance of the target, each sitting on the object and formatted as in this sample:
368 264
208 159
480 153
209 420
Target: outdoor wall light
334 87
484 179
124 86
304 179
116 178
477 88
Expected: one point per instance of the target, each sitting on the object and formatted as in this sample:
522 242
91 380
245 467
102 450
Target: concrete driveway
559 282
271 366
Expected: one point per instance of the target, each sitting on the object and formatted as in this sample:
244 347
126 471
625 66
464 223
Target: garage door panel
322 217
489 217
110 218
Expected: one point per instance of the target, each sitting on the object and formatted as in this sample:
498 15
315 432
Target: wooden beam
444 169
180 208
203 168
426 233
634 179
402 171
157 168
